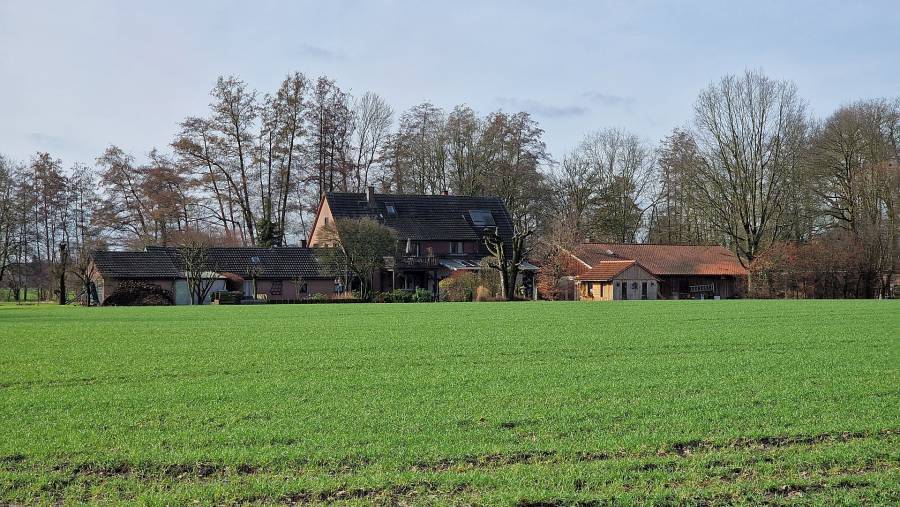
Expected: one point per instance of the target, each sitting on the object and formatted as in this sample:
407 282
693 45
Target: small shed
615 280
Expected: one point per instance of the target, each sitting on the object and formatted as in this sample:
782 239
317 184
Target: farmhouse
439 235
280 274
608 271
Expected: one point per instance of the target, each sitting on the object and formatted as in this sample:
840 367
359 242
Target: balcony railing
411 262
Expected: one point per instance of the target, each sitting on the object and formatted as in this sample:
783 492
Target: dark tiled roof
700 260
282 263
150 264
424 217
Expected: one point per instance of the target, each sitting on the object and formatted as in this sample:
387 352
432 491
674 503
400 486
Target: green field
482 403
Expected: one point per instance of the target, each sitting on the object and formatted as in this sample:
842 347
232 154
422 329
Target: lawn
483 403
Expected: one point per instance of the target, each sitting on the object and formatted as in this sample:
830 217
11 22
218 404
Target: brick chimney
445 192
370 196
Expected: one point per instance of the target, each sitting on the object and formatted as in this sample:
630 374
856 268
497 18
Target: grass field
486 403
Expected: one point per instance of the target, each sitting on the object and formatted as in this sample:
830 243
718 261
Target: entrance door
643 290
624 290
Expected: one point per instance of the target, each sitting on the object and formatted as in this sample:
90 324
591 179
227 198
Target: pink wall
289 289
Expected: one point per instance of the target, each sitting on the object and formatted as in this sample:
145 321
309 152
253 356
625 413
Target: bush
488 277
482 293
318 297
135 293
459 287
422 296
403 296
398 296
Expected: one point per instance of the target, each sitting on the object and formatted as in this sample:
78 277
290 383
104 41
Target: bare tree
7 220
507 259
373 123
853 170
679 215
625 168
749 131
194 259
358 248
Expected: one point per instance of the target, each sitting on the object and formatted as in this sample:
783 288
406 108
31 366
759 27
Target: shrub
421 296
318 297
136 293
398 296
482 293
459 287
488 277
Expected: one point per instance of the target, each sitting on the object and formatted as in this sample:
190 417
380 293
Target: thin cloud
609 100
46 142
539 108
318 52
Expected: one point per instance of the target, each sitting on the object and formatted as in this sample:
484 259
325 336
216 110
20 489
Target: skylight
482 218
391 210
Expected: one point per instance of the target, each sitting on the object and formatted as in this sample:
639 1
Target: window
456 247
391 210
303 288
482 218
412 248
326 220
276 288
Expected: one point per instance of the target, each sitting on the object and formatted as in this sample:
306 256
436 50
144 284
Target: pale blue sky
76 76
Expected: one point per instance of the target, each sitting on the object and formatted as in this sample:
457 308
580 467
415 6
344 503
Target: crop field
537 403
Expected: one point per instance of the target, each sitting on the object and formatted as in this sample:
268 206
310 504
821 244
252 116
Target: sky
77 76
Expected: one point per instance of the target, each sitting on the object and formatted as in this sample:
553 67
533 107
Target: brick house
281 273
609 271
438 235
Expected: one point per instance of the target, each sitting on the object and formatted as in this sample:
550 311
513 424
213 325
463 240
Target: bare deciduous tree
373 123
749 131
507 259
194 259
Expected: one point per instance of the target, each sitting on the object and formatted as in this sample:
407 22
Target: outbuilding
612 280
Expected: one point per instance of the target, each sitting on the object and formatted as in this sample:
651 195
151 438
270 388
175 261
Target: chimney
370 196
302 243
445 192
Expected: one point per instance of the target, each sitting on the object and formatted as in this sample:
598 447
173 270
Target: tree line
752 170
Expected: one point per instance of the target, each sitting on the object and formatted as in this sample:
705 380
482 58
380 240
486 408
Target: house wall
634 278
595 291
323 218
184 297
289 289
635 289
442 248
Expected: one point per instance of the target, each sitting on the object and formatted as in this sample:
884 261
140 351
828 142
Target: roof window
482 218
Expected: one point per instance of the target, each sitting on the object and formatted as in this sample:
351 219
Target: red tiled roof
605 270
703 260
